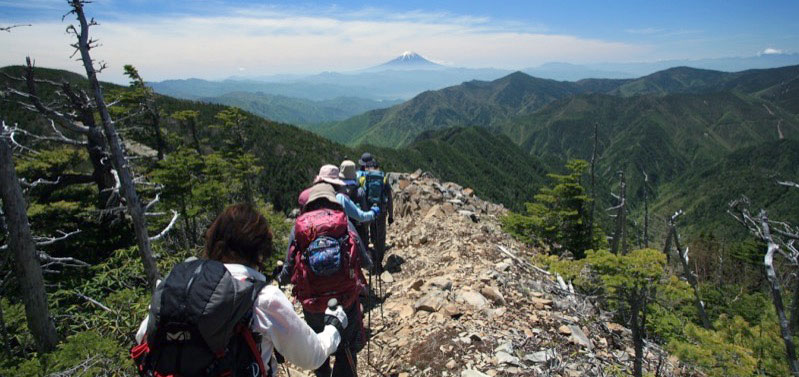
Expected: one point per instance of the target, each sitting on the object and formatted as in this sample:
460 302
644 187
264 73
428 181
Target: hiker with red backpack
378 194
218 316
324 262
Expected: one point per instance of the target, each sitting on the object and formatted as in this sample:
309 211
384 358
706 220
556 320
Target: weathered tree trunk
20 241
619 242
194 137
667 247
691 277
593 186
795 310
160 144
638 336
118 158
4 334
776 295
646 211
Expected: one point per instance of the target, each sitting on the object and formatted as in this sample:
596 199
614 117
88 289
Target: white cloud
771 51
270 40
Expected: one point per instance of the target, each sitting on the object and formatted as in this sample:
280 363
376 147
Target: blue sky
215 39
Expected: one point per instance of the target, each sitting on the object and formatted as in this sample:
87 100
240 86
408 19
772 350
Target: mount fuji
408 61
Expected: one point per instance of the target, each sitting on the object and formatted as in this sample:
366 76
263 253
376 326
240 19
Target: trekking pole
383 298
369 320
351 361
331 304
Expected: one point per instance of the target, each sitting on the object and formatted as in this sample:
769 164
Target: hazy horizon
220 39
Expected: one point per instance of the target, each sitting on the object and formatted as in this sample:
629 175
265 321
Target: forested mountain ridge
478 103
473 103
298 111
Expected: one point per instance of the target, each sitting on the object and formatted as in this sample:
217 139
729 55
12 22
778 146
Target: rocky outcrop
464 300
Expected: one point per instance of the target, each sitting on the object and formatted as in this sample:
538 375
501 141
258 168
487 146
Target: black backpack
351 190
199 325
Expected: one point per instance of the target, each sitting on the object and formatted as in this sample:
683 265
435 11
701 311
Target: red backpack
325 227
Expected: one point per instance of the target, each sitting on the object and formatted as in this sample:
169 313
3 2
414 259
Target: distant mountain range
508 99
285 98
702 137
664 124
400 78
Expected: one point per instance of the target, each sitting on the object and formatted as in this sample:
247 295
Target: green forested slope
705 192
298 111
487 104
473 103
491 164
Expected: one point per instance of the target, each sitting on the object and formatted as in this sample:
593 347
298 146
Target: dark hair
239 235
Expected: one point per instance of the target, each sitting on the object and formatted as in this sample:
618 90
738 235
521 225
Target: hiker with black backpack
377 193
218 316
324 262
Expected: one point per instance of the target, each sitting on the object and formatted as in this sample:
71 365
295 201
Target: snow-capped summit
409 60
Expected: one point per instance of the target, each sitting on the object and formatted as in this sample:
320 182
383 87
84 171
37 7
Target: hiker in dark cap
366 160
377 192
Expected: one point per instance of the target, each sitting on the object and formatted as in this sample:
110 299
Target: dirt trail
461 299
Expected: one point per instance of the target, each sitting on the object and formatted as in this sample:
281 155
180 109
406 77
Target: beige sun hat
329 174
347 170
322 191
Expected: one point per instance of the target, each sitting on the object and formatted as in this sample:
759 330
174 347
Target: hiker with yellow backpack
377 193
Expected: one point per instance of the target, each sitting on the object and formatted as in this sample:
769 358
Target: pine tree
560 214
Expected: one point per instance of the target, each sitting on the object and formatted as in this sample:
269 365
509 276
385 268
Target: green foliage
736 348
281 227
713 354
627 275
559 215
746 337
298 111
88 353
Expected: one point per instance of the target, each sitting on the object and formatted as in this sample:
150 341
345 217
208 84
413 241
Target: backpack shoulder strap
247 333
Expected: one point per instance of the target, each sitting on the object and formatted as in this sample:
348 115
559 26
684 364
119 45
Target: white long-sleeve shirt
280 327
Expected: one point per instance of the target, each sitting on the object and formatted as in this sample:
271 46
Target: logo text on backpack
180 336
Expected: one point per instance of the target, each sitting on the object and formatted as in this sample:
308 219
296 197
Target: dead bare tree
75 115
126 184
619 234
593 185
8 28
646 209
673 237
21 243
784 245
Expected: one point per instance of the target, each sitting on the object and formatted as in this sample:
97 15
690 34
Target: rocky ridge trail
462 299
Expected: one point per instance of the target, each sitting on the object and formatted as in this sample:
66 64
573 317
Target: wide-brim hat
348 171
322 191
329 174
367 160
